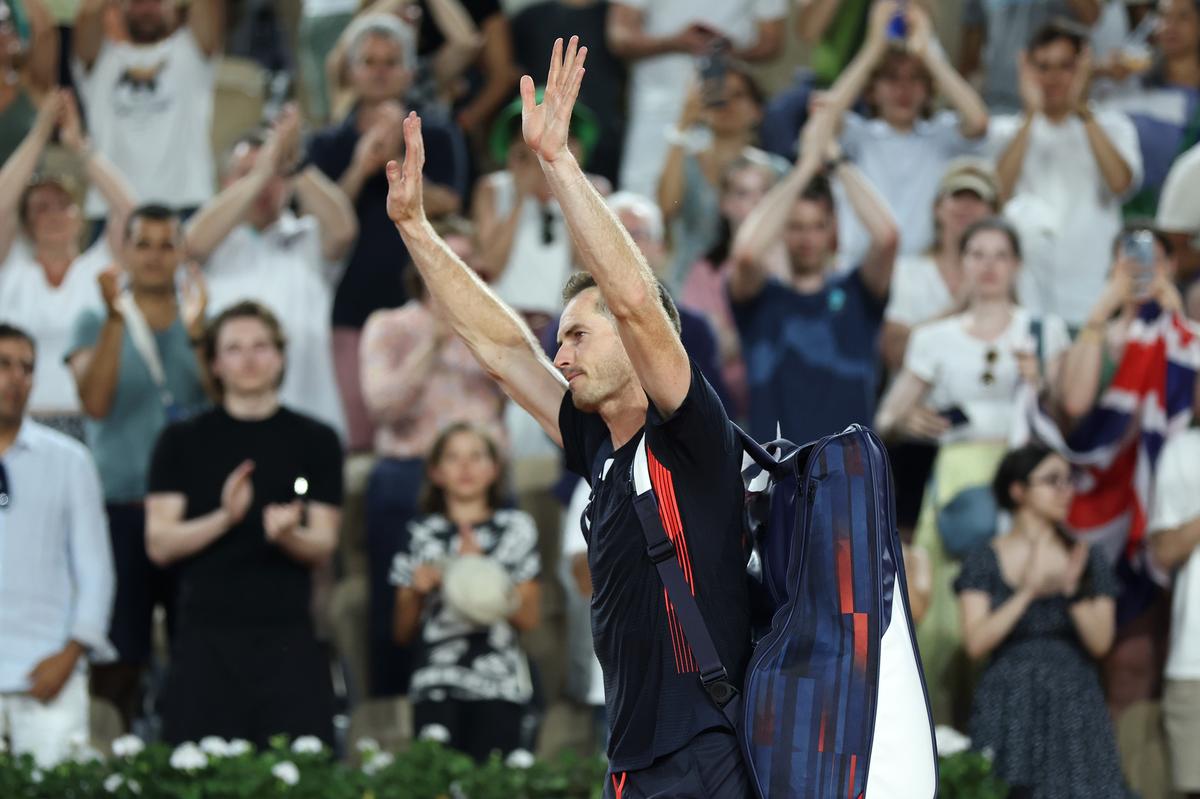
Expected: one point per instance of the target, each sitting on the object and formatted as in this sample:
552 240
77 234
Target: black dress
1039 707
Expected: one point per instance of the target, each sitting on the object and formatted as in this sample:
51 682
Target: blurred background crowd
251 483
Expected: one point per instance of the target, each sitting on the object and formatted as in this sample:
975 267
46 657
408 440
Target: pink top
410 395
705 292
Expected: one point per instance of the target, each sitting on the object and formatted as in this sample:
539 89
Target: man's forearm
325 200
972 112
310 546
220 215
87 35
98 383
167 542
352 180
1172 548
1118 177
1012 160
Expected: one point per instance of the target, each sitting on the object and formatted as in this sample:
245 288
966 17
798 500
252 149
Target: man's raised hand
546 125
404 200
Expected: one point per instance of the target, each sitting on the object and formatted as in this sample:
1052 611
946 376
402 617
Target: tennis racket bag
833 705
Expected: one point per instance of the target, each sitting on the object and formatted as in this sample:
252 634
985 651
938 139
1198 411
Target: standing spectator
418 378
534 29
1066 169
1175 544
817 329
245 499
905 146
661 39
28 68
254 247
466 585
149 100
1179 210
996 31
45 286
1039 606
135 370
707 139
56 587
382 55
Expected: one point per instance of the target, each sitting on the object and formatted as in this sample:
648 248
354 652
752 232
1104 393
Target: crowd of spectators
241 449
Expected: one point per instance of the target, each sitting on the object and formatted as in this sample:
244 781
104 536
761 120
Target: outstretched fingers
555 65
414 147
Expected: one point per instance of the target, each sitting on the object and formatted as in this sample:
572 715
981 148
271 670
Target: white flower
36 776
989 754
287 772
78 740
86 754
519 758
238 747
112 782
307 745
950 741
134 786
214 746
188 757
128 746
367 745
435 732
377 762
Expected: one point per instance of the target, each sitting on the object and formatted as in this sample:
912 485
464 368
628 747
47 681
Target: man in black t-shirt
245 500
620 373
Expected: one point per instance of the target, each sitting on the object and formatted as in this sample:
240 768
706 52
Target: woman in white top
959 387
45 281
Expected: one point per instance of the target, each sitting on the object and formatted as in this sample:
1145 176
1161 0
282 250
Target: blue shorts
709 767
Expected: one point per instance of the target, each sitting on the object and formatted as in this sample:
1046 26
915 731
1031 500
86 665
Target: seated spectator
743 186
253 247
1175 544
905 147
712 133
1164 103
135 370
418 378
958 388
1179 210
46 285
29 66
1038 606
1067 170
149 100
56 587
525 249
994 34
466 585
816 329
382 55
661 40
534 30
245 499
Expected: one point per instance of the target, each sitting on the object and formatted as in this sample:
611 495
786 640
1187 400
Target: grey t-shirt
122 442
1008 26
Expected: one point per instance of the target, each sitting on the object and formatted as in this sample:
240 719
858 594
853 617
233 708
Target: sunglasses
989 366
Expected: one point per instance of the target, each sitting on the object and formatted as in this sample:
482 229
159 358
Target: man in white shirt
662 38
1067 170
1175 544
1179 208
149 100
57 584
253 247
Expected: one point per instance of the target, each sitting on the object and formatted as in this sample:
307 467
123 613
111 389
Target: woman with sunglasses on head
1039 607
958 387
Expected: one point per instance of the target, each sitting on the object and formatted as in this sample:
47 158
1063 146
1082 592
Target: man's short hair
9 332
1054 31
819 191
643 207
246 309
582 281
153 212
386 26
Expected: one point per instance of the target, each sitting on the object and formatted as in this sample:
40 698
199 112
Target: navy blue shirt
652 690
811 359
372 279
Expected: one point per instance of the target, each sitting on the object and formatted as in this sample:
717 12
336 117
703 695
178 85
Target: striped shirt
56 564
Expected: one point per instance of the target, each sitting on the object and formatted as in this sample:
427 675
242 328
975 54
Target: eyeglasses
5 498
1059 482
989 365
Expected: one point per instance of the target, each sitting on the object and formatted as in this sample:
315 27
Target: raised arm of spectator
813 18
765 225
87 35
325 200
1082 365
626 282
872 211
628 39
223 213
671 182
495 334
397 361
101 173
767 43
1012 159
922 41
43 47
463 39
206 19
497 231
20 166
1119 174
1086 11
497 63
97 367
854 78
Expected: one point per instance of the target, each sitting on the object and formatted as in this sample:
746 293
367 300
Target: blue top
811 359
56 564
122 442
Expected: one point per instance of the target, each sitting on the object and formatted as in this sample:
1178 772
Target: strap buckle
661 550
718 686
